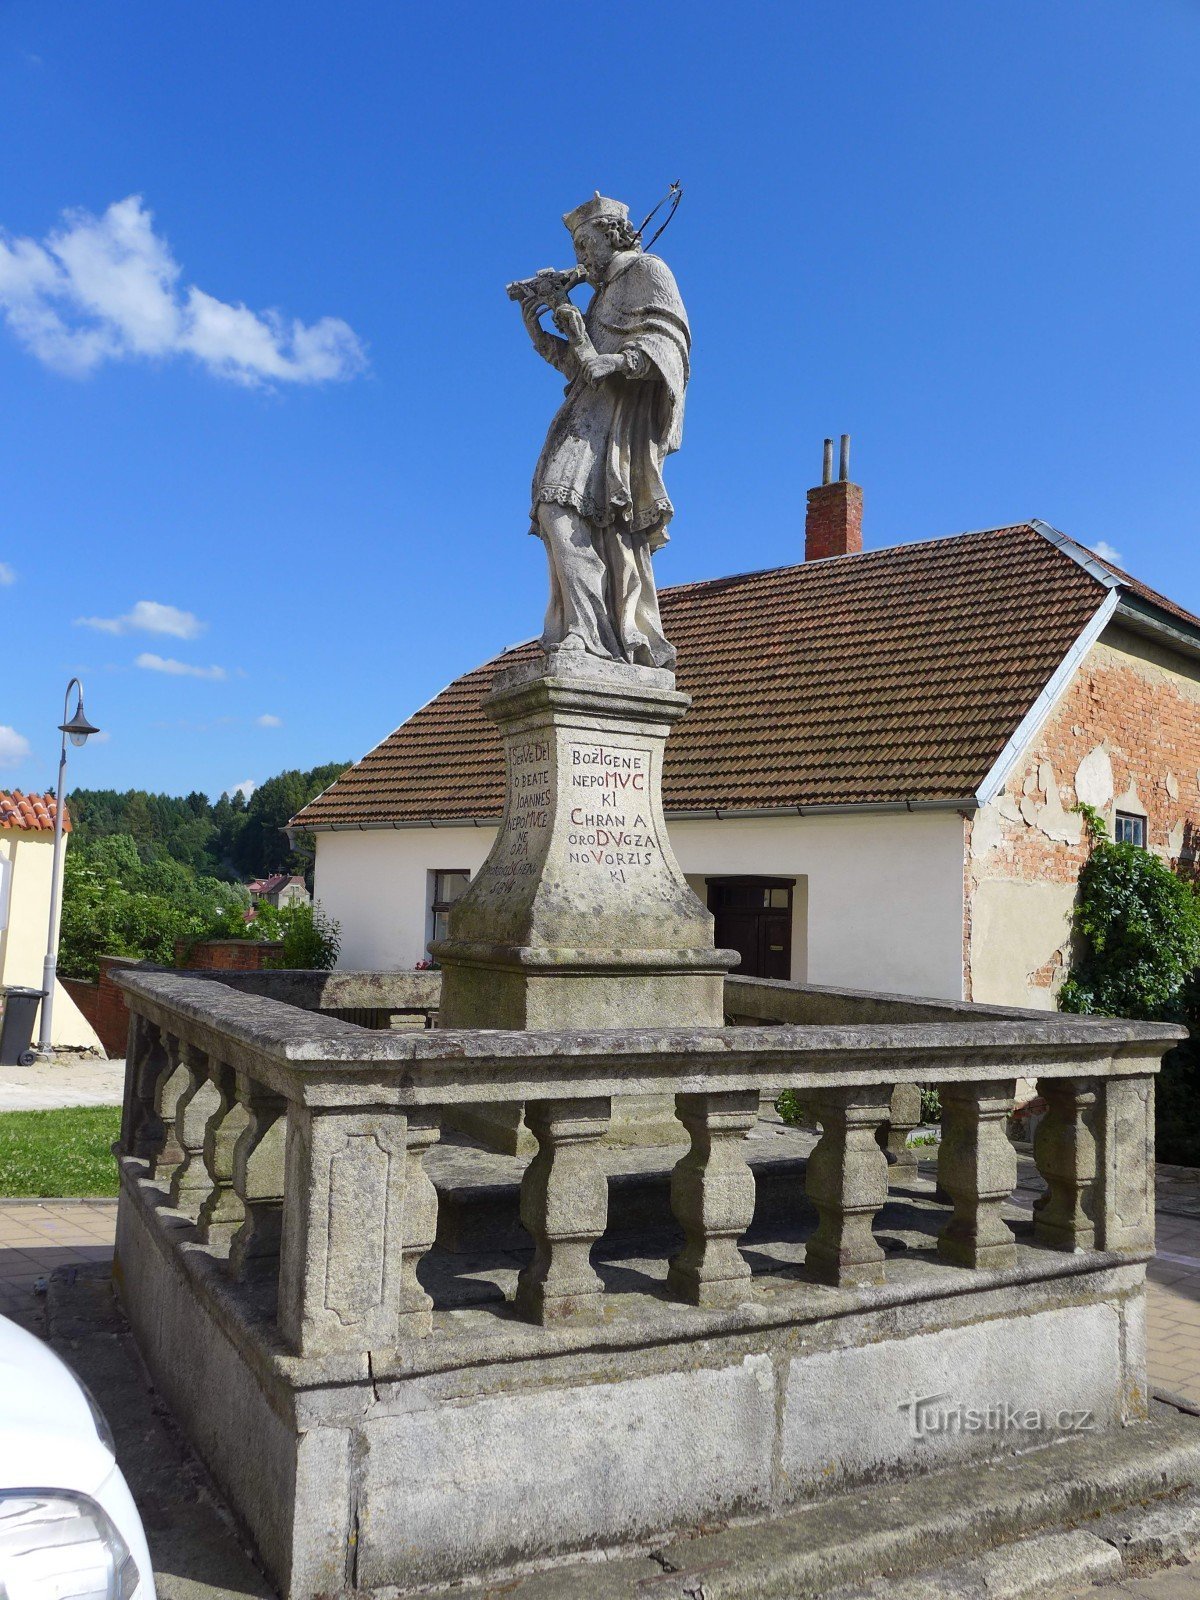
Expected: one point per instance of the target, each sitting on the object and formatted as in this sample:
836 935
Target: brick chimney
833 526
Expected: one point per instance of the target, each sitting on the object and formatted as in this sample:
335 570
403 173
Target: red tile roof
30 813
894 676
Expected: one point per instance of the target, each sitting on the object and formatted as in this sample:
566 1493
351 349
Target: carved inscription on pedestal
529 807
611 821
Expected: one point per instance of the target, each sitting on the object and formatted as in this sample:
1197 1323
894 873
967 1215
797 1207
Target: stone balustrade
289 1144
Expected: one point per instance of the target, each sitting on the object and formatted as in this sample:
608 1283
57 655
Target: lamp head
78 729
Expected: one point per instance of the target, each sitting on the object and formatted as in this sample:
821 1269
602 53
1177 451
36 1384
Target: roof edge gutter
1042 706
1137 615
709 814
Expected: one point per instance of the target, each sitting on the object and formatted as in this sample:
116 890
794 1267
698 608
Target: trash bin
16 1026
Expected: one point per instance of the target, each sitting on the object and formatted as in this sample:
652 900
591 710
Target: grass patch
53 1153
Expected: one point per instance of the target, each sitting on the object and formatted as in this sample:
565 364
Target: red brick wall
1140 706
833 523
227 955
103 1004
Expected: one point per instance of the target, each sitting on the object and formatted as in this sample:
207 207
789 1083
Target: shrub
311 939
1138 931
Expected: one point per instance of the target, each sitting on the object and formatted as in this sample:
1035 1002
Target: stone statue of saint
599 503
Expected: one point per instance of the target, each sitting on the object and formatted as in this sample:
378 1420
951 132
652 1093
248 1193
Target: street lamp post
76 727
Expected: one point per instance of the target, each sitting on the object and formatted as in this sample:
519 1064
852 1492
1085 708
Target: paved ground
1173 1318
38 1235
74 1081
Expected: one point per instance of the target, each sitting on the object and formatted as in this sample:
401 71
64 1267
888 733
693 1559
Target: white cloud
108 288
148 616
14 747
7 575
177 669
1106 553
267 720
246 788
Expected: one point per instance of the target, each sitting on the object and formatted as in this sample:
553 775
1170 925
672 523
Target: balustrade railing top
312 1058
294 1141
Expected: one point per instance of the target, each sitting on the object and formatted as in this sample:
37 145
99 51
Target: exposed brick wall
227 955
833 522
103 1004
1131 707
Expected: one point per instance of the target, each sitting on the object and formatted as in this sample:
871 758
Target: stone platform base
494 1445
1127 1503
1053 1522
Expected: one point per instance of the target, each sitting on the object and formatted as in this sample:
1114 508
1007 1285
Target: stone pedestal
580 917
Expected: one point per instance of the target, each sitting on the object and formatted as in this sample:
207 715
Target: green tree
262 845
114 903
204 836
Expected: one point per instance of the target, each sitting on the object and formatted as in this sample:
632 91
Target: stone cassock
599 502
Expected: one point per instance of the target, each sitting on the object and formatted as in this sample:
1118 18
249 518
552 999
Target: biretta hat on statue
594 208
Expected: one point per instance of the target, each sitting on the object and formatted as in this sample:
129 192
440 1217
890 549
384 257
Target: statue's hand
568 319
596 368
531 311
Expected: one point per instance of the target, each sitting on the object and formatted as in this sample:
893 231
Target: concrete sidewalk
51 1085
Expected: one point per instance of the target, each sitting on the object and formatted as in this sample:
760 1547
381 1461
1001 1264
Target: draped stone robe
604 452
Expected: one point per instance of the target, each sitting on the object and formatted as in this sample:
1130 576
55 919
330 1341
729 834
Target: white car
69 1529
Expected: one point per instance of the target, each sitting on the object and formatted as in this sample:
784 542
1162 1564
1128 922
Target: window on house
445 889
1131 829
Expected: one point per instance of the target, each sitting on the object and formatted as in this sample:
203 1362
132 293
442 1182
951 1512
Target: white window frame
1140 825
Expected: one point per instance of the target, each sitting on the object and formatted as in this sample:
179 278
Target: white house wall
884 891
376 884
878 899
24 919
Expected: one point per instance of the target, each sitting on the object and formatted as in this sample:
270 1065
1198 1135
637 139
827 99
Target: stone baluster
145 1064
420 1221
1065 1149
171 1083
564 1207
342 1270
1125 1212
712 1197
904 1114
847 1183
977 1168
190 1181
222 1210
257 1174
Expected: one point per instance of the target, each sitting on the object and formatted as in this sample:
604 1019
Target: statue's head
599 228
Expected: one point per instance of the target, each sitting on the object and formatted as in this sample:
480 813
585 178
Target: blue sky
965 234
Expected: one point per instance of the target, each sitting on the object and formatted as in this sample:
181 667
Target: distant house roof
893 677
30 813
271 885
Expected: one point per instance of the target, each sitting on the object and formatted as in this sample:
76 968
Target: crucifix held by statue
599 503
